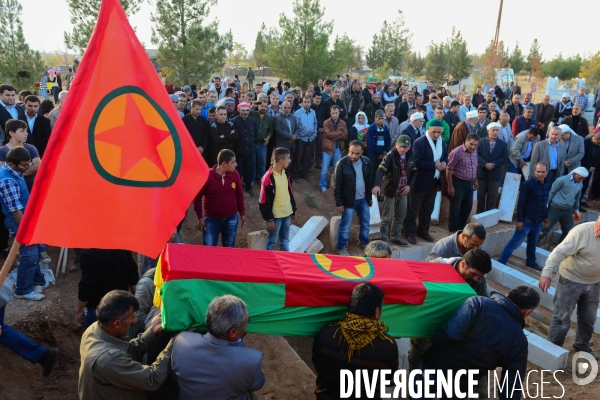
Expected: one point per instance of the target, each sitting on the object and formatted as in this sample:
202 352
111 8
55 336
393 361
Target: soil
50 322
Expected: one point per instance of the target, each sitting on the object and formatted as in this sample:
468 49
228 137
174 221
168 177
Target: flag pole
9 261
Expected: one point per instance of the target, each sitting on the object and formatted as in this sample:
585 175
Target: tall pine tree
84 14
185 43
299 49
19 65
459 62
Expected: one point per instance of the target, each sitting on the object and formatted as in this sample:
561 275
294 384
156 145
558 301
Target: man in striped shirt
462 181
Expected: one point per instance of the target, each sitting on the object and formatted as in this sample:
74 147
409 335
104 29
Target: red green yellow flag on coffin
297 294
121 168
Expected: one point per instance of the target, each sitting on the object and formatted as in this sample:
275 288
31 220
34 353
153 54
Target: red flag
120 169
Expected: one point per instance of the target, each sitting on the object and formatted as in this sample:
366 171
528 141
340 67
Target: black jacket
103 271
498 157
246 131
510 110
267 195
389 172
344 188
199 129
590 158
40 135
319 111
485 333
218 143
5 116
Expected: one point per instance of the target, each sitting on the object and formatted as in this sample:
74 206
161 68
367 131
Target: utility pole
497 36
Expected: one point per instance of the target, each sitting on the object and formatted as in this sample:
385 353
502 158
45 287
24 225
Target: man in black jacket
222 135
591 161
515 109
246 130
484 334
199 128
38 126
319 109
103 271
352 192
397 173
8 109
492 155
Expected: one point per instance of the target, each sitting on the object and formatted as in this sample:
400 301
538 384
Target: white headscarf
359 126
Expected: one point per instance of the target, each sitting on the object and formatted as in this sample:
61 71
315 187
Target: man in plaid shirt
581 99
462 181
14 195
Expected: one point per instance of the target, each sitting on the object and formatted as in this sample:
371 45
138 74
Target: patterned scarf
359 331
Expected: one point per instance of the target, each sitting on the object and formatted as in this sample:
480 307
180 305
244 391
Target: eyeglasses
25 166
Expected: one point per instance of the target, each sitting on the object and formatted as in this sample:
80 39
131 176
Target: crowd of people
382 142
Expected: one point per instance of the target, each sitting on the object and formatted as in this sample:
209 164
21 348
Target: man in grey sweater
563 202
578 283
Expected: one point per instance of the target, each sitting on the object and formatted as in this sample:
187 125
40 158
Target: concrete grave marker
435 215
508 199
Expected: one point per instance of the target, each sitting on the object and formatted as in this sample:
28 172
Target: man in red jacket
222 200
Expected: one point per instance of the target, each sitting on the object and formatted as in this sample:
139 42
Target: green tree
238 53
84 14
186 44
590 70
517 59
390 48
344 54
459 62
299 49
435 62
415 64
563 68
19 65
534 51
260 48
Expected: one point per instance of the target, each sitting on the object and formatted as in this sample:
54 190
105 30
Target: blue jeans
281 232
531 231
28 273
364 217
90 318
327 159
19 343
227 227
260 155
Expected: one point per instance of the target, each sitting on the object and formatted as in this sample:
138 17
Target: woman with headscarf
359 129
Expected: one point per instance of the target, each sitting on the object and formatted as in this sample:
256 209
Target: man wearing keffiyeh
358 341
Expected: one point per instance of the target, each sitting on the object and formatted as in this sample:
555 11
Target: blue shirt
307 124
11 110
533 200
430 112
30 121
14 194
553 155
527 153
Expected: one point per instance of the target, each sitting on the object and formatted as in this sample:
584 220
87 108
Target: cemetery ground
287 363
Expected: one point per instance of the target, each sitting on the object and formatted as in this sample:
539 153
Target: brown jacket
331 135
111 368
459 135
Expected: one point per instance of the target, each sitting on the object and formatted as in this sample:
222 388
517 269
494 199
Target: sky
428 21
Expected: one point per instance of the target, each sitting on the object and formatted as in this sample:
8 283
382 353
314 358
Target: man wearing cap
577 122
413 130
465 108
229 104
515 109
247 131
563 109
431 158
369 90
464 128
573 146
492 156
482 122
439 116
563 202
402 107
550 152
396 175
461 176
